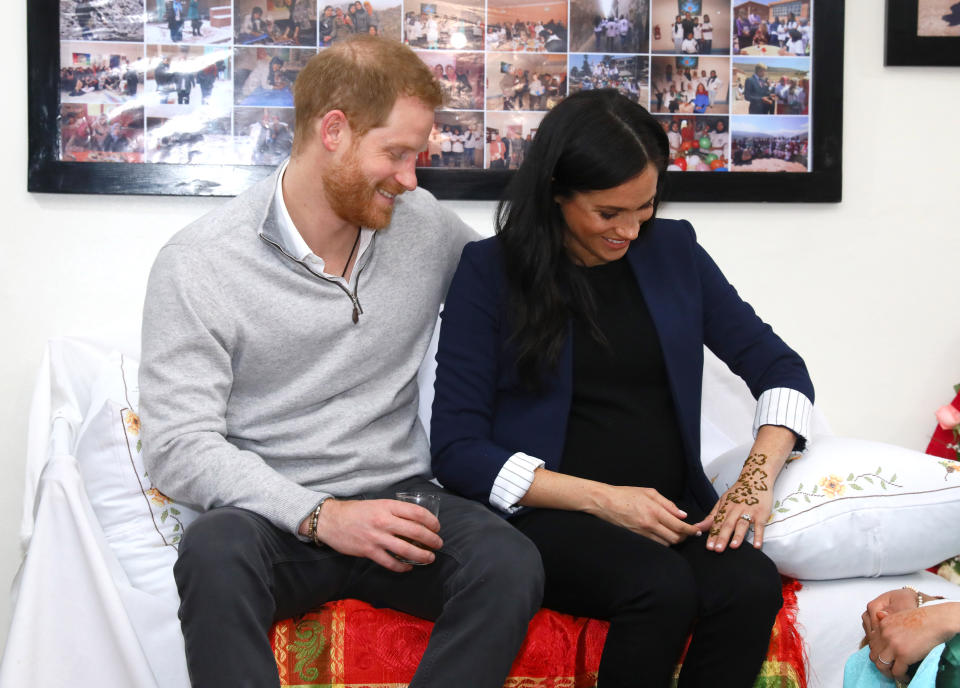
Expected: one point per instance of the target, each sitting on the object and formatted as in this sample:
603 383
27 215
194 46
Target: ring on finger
885 663
747 517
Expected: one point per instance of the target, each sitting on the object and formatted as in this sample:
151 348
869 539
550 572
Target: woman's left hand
748 502
903 638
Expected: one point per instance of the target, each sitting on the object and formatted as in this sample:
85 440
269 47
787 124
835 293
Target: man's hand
374 528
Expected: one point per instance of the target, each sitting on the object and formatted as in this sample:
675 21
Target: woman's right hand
644 511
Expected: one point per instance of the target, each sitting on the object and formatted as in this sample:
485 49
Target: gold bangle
314 519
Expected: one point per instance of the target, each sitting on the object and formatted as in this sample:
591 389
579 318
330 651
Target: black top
622 428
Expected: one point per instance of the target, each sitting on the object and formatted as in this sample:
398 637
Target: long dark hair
270 73
590 141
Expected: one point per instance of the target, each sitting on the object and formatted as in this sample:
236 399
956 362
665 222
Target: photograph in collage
769 144
611 26
535 26
443 25
275 22
938 18
96 20
509 135
626 73
100 72
188 21
772 28
689 84
264 76
191 138
180 78
697 143
771 87
460 75
341 20
691 27
94 132
263 136
456 141
524 81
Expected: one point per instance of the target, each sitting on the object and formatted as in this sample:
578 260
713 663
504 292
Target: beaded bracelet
314 519
921 598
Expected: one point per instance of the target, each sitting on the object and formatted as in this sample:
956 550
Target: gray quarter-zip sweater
258 389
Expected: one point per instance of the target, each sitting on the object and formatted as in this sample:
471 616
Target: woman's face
601 224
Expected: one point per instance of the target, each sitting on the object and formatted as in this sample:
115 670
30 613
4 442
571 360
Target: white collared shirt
293 242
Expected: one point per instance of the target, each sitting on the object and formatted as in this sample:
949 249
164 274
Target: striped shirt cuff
513 481
785 407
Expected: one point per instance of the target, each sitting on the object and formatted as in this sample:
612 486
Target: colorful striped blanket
349 644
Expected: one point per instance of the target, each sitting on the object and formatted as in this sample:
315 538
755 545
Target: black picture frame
903 47
47 173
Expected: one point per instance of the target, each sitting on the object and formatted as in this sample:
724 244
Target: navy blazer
482 415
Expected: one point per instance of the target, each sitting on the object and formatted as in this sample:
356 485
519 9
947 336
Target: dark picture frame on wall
51 169
923 33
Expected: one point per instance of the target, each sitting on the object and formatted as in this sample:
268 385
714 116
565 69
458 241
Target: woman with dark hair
275 77
568 388
677 32
254 24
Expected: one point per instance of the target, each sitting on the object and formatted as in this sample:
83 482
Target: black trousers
654 596
237 574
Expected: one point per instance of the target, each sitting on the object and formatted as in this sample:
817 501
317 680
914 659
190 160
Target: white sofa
79 619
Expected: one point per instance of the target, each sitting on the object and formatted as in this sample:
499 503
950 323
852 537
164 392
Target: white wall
864 289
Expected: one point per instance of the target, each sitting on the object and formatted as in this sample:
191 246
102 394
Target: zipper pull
356 314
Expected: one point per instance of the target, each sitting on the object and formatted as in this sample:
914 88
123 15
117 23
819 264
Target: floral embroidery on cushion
157 497
130 421
832 487
133 422
950 467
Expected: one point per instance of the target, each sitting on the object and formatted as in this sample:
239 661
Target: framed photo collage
197 94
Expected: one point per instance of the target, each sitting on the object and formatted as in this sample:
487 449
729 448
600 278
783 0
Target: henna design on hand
752 479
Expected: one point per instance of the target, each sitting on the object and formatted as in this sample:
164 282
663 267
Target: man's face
362 183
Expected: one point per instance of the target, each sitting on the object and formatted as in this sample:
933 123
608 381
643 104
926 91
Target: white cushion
850 508
142 525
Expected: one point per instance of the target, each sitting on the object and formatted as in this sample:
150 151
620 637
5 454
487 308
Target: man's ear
334 130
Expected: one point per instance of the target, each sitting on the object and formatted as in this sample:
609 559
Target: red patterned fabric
941 438
938 446
349 644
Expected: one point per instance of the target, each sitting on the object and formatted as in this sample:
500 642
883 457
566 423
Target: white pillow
142 525
851 507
